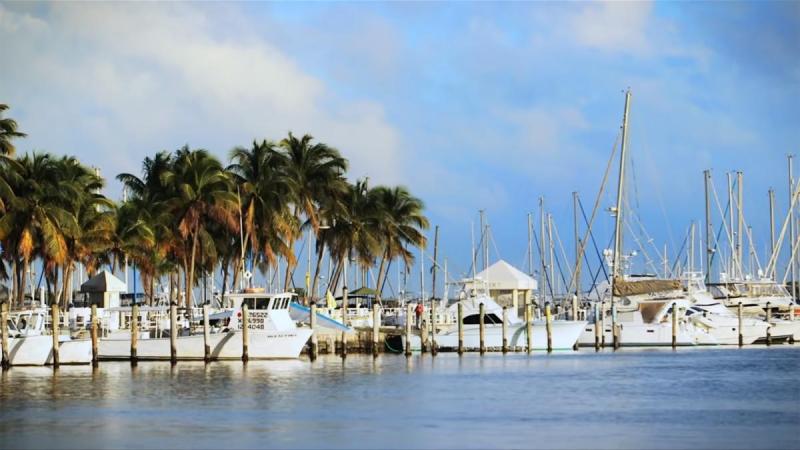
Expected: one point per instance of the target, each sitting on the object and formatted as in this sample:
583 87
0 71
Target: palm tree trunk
337 269
320 253
15 283
225 269
190 275
381 275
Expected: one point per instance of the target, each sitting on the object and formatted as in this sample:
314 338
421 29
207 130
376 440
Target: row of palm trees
186 214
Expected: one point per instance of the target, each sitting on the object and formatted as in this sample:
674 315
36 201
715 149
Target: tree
8 132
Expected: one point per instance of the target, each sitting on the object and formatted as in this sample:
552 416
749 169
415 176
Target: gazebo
103 290
506 283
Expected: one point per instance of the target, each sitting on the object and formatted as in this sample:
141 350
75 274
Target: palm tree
202 194
264 192
8 131
315 171
401 223
37 219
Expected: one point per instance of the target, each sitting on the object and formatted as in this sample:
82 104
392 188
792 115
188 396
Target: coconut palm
202 194
401 223
314 171
8 132
264 192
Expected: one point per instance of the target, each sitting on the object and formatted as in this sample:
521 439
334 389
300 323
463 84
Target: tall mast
771 228
740 228
577 276
435 260
709 229
616 272
551 249
729 226
542 257
691 249
530 245
483 238
792 232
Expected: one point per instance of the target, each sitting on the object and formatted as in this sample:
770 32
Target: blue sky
472 105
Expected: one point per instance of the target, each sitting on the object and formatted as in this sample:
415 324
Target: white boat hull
646 335
565 335
263 345
38 351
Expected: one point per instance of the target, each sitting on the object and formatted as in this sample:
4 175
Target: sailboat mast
578 261
771 227
530 245
792 232
709 229
542 255
740 227
617 257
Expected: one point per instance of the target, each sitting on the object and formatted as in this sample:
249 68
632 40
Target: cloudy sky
472 105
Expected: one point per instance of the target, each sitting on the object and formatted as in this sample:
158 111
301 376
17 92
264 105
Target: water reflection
655 399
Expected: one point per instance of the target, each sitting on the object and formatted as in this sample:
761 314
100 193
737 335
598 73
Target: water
706 398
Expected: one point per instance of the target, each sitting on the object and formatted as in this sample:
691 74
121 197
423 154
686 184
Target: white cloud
132 79
613 26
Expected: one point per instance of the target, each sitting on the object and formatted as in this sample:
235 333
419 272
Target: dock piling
376 329
460 328
505 329
94 333
549 326
173 333
245 332
409 313
769 325
597 327
134 333
482 323
739 313
433 328
674 325
55 328
206 336
314 342
4 319
529 327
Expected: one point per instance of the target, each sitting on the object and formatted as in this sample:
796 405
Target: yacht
30 345
273 334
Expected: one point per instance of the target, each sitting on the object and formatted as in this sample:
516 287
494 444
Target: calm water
710 398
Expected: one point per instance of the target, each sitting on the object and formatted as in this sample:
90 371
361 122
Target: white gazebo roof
104 281
503 276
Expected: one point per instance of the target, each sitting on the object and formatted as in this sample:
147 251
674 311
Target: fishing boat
273 334
30 345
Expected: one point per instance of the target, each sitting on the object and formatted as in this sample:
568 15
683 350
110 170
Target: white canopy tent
505 282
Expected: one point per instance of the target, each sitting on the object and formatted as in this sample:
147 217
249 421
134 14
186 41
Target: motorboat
30 345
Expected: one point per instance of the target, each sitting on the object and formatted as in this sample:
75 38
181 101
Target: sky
472 105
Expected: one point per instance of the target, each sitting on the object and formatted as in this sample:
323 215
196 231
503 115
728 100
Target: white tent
104 289
502 276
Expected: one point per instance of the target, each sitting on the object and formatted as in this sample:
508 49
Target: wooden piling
739 313
55 328
206 336
376 329
245 332
549 326
614 326
505 329
674 325
597 326
433 327
173 333
344 345
4 318
602 324
314 350
409 313
769 325
94 333
460 328
482 330
134 333
529 327
574 308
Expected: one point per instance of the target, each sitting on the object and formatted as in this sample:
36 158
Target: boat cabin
268 312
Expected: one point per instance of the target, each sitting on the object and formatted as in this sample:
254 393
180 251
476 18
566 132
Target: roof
503 276
363 292
104 281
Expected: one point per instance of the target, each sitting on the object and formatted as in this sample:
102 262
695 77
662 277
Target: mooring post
529 327
739 313
769 325
481 322
245 332
376 328
597 327
505 329
548 315
408 329
674 325
614 326
134 332
206 335
344 345
460 328
602 324
314 342
4 318
55 328
173 332
433 327
94 333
